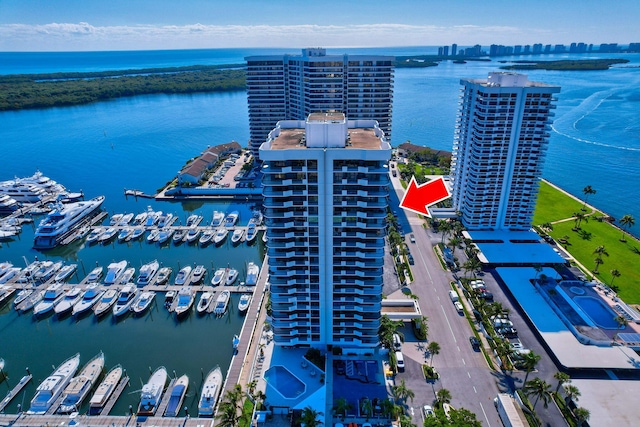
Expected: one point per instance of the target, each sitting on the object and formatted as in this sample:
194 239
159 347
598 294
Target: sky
88 25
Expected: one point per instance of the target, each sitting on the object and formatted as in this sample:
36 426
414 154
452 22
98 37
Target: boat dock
87 222
53 408
165 399
114 396
24 420
14 392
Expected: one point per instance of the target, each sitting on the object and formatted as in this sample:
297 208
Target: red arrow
418 198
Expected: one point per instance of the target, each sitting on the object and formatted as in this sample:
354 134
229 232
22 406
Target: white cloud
84 36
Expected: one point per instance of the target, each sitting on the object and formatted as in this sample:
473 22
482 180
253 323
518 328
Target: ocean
142 142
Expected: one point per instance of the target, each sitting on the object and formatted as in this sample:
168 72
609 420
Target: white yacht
22 193
192 235
244 302
220 235
63 221
115 219
179 235
108 234
5 294
176 396
127 276
165 220
252 232
114 272
218 276
222 301
193 220
183 276
147 273
50 389
65 272
231 219
22 295
252 273
206 237
66 304
164 274
218 217
10 274
153 235
124 234
126 297
125 220
52 295
206 298
183 302
198 273
210 392
232 275
152 217
80 386
140 219
164 235
236 237
137 233
90 297
94 235
94 275
8 205
256 218
46 270
152 392
107 301
143 302
105 390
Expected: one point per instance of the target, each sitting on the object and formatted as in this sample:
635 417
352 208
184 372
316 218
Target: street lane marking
474 389
485 414
450 328
468 374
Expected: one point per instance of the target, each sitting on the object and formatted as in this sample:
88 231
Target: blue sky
69 25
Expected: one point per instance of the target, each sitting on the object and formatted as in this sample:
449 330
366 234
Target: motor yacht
164 274
143 302
124 234
152 392
210 392
252 232
152 217
206 298
218 218
231 219
222 301
147 273
114 272
206 237
219 276
94 275
127 276
140 218
94 235
256 218
125 220
80 386
137 233
105 390
71 298
153 235
52 295
220 236
9 274
183 276
164 235
47 270
30 301
115 219
183 302
193 220
90 297
252 274
244 302
126 297
232 275
107 301
198 274
169 297
5 294
65 272
179 235
165 220
236 237
192 235
176 396
50 389
108 234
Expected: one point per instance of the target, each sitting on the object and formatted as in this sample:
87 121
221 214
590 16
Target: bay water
142 142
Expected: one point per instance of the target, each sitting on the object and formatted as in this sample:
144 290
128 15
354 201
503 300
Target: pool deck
569 352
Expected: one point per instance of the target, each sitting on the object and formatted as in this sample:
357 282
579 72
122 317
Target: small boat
153 236
252 232
115 219
89 298
183 302
140 218
163 275
50 389
124 234
221 303
28 303
231 219
28 272
218 276
66 304
198 273
152 217
164 235
107 301
114 272
169 297
95 235
252 274
206 237
147 273
218 217
244 302
192 235
152 392
179 235
165 220
108 234
105 390
126 219
235 342
143 302
9 274
176 396
65 272
236 237
210 392
22 295
80 386
94 275
127 276
193 220
182 278
46 270
5 295
137 233
206 298
126 297
220 235
82 233
232 275
256 218
52 295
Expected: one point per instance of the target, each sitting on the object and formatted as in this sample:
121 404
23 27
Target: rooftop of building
359 138
509 80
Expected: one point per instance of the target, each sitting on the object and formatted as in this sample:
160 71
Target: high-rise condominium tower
501 139
325 199
290 87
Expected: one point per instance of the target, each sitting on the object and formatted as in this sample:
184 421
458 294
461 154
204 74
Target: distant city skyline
73 25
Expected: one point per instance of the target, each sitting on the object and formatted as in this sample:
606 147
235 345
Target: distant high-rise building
502 134
440 51
445 51
537 48
325 188
560 48
527 49
517 49
547 48
454 49
290 87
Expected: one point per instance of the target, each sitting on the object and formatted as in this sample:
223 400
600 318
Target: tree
540 389
401 392
547 226
622 321
529 362
614 273
562 379
444 227
597 262
582 415
627 222
231 406
588 190
433 348
472 264
443 396
310 417
342 406
578 218
571 392
599 251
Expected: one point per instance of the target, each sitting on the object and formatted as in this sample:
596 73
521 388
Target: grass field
554 205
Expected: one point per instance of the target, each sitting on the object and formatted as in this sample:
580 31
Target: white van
400 360
453 295
397 342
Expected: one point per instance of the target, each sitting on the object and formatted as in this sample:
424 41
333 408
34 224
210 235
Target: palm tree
599 251
582 415
454 242
562 379
540 389
578 218
310 417
386 330
342 406
433 348
622 321
472 264
445 227
401 392
614 273
230 406
547 226
571 392
627 222
587 191
597 262
227 416
529 362
443 396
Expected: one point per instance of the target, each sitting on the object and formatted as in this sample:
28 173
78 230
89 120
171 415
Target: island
565 65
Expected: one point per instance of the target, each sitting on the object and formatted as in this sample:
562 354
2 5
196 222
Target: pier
14 392
115 396
165 399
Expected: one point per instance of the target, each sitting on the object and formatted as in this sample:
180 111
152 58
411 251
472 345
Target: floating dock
115 396
14 392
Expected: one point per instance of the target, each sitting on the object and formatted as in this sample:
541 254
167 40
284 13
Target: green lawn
553 205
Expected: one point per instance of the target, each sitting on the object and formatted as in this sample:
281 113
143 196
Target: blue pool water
284 382
597 311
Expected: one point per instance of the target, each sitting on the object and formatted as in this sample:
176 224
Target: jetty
162 407
115 396
14 392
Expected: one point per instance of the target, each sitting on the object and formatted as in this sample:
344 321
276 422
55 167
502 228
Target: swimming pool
284 382
601 315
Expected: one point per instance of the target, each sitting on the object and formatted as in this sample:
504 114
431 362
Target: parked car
427 411
412 238
475 343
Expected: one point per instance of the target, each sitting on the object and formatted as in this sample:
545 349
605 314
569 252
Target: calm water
142 142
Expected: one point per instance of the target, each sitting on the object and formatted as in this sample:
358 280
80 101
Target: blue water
595 309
